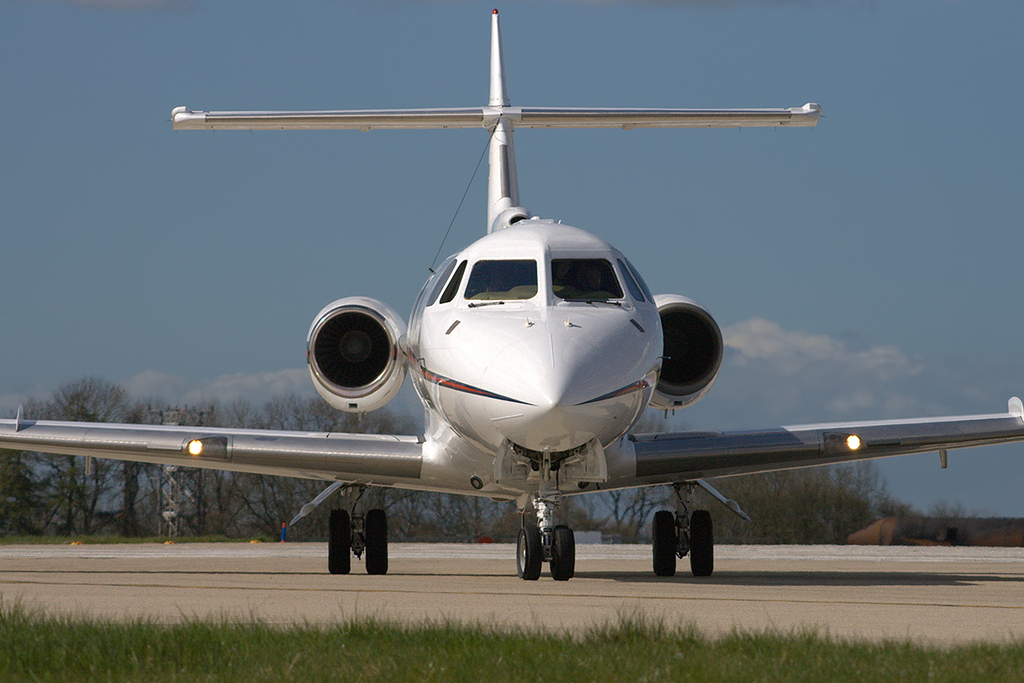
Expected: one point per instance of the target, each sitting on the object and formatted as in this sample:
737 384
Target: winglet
19 419
1015 407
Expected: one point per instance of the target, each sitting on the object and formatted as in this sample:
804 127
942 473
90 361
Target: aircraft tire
665 538
563 553
702 544
529 553
339 543
376 531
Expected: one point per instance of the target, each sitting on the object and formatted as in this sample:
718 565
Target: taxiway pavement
930 594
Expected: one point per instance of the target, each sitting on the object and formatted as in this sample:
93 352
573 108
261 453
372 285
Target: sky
866 268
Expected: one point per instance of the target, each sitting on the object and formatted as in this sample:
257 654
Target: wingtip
183 118
1015 407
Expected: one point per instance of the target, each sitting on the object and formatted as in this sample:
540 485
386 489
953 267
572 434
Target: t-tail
500 118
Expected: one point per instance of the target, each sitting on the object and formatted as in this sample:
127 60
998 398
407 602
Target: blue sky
868 268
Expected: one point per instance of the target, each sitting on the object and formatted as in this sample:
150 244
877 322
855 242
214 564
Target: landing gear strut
679 534
545 541
355 533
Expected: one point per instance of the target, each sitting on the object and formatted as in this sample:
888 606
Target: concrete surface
939 594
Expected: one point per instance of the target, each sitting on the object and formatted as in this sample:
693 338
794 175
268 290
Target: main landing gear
355 534
677 534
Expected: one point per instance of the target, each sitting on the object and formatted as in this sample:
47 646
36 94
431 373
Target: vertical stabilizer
499 92
502 186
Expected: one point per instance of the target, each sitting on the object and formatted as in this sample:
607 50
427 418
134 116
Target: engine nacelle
353 354
692 355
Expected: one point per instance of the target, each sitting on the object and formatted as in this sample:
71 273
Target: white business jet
534 350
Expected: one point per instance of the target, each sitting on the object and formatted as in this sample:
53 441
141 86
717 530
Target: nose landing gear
545 541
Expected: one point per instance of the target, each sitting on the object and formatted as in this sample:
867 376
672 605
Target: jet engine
692 355
353 356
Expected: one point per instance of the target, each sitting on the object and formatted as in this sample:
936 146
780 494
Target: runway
930 594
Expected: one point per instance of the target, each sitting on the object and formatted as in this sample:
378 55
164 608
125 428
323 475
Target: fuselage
540 337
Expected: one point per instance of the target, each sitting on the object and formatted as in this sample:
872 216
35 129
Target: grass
111 539
37 647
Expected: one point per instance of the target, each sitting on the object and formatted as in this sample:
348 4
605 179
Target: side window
640 281
631 285
442 279
584 279
508 280
453 286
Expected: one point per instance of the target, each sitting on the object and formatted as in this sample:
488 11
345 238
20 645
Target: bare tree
814 505
79 500
625 514
20 494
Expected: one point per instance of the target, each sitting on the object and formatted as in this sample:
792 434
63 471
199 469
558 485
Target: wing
364 458
688 456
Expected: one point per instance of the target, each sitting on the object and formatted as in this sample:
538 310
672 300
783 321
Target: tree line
60 496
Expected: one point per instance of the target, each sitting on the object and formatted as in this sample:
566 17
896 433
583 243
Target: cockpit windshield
584 279
502 280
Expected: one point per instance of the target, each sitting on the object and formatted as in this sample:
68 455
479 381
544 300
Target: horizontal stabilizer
551 117
358 119
487 117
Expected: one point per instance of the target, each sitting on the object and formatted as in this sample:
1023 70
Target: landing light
195 447
853 442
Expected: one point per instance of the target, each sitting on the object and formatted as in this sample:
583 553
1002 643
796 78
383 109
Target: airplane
535 351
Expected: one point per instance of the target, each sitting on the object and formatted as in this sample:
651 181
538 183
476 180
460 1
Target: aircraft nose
589 386
557 419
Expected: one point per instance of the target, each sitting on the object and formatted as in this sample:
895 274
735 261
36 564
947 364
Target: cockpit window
639 280
579 279
631 285
453 286
502 280
442 280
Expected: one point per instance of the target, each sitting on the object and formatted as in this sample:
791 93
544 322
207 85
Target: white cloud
772 376
150 384
789 353
257 388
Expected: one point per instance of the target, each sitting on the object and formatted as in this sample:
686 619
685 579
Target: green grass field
37 647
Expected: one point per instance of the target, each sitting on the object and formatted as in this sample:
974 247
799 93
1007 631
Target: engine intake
693 352
352 350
